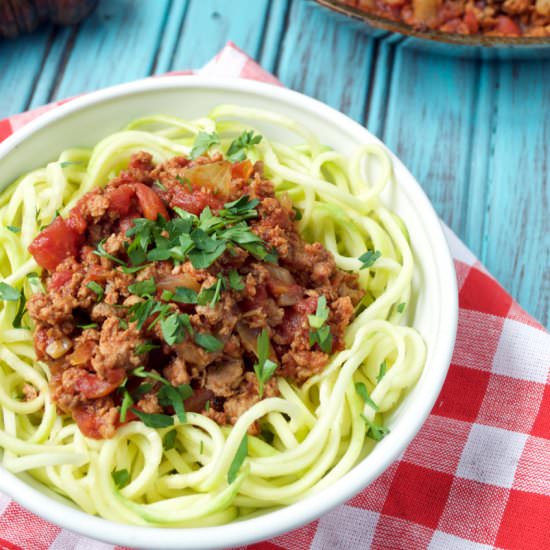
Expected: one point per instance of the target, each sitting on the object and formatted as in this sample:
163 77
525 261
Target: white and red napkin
477 476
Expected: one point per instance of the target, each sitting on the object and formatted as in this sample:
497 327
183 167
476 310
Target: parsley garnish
238 147
127 402
208 342
89 325
361 389
145 347
170 396
174 326
181 294
203 142
104 254
211 294
8 293
154 420
13 228
264 368
320 333
235 280
401 307
376 431
97 289
169 440
121 478
238 459
297 214
369 258
123 324
143 288
158 184
70 163
20 311
140 372
382 371
207 405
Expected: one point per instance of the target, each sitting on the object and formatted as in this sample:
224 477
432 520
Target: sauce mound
179 287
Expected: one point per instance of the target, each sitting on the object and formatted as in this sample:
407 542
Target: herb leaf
140 372
203 142
20 311
145 347
208 342
361 389
169 440
264 368
382 371
13 228
238 459
8 293
169 396
369 258
104 254
401 307
235 280
320 334
97 289
376 431
238 147
154 420
174 326
127 402
121 478
144 288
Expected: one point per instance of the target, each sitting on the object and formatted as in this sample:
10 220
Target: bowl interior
85 121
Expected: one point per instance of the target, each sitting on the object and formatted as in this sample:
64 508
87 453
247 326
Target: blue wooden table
475 134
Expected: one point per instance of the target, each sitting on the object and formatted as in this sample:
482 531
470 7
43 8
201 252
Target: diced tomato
59 278
507 26
195 202
242 169
55 243
150 203
92 387
295 318
120 199
471 21
76 221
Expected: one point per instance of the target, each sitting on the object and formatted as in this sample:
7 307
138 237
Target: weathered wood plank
209 24
20 63
517 222
273 34
326 58
117 43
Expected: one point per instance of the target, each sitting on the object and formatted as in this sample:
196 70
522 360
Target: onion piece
171 282
214 175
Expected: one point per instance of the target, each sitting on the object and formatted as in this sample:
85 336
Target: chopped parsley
89 325
17 320
203 142
181 294
208 342
401 307
8 293
144 288
376 431
97 289
121 478
158 184
212 294
101 252
361 389
169 440
13 228
238 459
235 280
264 368
369 258
238 147
127 402
70 163
145 347
154 420
382 371
170 396
320 331
174 328
140 372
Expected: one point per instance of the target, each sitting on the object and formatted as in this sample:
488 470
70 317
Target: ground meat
489 17
112 320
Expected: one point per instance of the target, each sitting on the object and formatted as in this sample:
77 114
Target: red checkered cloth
477 475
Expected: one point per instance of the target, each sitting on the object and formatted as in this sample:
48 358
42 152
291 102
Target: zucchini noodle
311 435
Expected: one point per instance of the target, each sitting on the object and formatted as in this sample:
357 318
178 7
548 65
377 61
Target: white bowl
86 120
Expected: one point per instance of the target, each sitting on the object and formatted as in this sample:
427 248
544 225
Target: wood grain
475 133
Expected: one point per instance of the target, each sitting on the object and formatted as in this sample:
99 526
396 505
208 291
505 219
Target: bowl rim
310 508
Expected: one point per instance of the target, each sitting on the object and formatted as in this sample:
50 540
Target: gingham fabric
477 476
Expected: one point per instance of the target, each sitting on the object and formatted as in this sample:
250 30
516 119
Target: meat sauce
467 17
100 354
